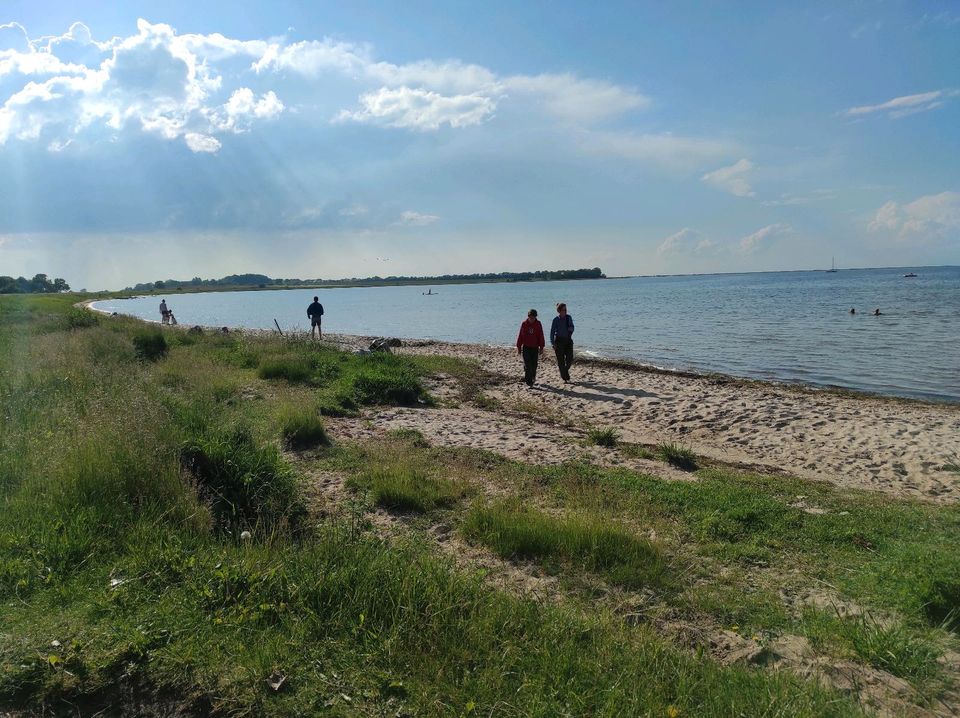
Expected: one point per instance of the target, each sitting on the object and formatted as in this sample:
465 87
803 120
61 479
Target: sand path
854 441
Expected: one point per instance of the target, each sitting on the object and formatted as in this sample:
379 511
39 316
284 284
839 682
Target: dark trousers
563 346
531 355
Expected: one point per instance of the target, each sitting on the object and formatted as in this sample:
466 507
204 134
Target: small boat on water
910 274
833 265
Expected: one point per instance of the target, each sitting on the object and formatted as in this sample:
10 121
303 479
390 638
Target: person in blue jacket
561 337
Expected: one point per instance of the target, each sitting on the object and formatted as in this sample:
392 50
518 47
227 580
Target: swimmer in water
852 310
877 313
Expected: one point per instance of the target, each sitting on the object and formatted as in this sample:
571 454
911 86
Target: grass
516 532
603 437
150 345
122 544
302 428
402 488
677 455
888 646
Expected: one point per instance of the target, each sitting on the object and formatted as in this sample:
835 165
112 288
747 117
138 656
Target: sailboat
833 265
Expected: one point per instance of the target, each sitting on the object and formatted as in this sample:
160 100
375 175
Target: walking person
164 312
561 339
530 345
315 312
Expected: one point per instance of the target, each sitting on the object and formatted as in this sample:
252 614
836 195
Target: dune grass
514 531
302 428
404 488
677 455
603 437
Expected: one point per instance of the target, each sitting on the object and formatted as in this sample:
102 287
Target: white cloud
667 149
678 241
420 109
753 242
575 99
930 216
905 105
153 80
732 179
416 219
688 242
14 37
201 143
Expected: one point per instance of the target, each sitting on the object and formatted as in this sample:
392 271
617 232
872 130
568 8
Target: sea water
786 326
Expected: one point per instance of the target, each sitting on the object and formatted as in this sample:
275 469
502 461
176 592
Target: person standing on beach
530 345
561 339
164 312
315 312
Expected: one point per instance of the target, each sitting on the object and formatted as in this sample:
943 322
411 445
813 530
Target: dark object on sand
383 344
278 326
195 330
225 330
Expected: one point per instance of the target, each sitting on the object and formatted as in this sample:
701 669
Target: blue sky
350 139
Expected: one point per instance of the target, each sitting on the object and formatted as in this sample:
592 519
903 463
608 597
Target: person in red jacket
530 345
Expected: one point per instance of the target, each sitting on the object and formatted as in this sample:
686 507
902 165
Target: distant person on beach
164 312
530 345
315 312
561 339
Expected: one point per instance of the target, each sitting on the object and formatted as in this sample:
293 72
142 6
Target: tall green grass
404 488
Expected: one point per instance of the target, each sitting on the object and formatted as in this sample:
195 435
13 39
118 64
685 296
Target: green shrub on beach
150 345
383 378
82 319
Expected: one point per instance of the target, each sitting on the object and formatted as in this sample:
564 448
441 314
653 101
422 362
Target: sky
141 141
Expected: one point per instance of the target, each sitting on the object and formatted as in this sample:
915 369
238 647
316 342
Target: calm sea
788 326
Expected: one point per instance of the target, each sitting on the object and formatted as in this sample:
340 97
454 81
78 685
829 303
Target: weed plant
603 437
677 455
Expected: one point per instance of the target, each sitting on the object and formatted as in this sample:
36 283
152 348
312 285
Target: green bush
150 345
82 319
302 429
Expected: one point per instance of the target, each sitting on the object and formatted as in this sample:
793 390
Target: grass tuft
514 531
247 485
402 488
677 455
150 345
603 437
302 429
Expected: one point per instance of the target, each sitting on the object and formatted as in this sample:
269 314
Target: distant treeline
261 280
40 284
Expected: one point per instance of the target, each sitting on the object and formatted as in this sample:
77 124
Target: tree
60 285
158 284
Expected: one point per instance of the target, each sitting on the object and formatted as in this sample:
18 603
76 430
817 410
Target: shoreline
586 357
899 447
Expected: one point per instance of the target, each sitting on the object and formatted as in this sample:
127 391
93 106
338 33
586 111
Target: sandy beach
895 446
